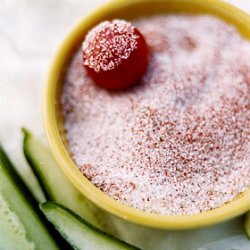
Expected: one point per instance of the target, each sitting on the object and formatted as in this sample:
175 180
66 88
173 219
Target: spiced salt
178 142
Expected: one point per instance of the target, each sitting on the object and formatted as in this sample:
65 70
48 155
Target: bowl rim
235 207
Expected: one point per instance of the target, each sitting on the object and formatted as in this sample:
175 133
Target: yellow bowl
129 9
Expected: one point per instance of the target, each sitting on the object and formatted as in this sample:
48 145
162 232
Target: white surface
30 32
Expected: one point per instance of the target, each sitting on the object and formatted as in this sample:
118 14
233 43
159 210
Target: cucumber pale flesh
21 226
12 231
79 233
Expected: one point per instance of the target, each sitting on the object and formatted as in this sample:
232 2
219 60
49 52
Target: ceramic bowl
126 9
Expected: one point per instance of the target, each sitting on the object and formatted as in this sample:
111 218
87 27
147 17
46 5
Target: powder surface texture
179 141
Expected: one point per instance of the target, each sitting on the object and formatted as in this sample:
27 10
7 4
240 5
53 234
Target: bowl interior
123 9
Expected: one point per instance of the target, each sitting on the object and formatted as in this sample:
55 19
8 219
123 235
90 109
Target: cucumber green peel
56 186
78 232
21 222
247 224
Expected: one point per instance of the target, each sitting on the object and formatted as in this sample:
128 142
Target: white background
30 32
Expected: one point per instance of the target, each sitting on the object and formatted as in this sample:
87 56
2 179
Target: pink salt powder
177 143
